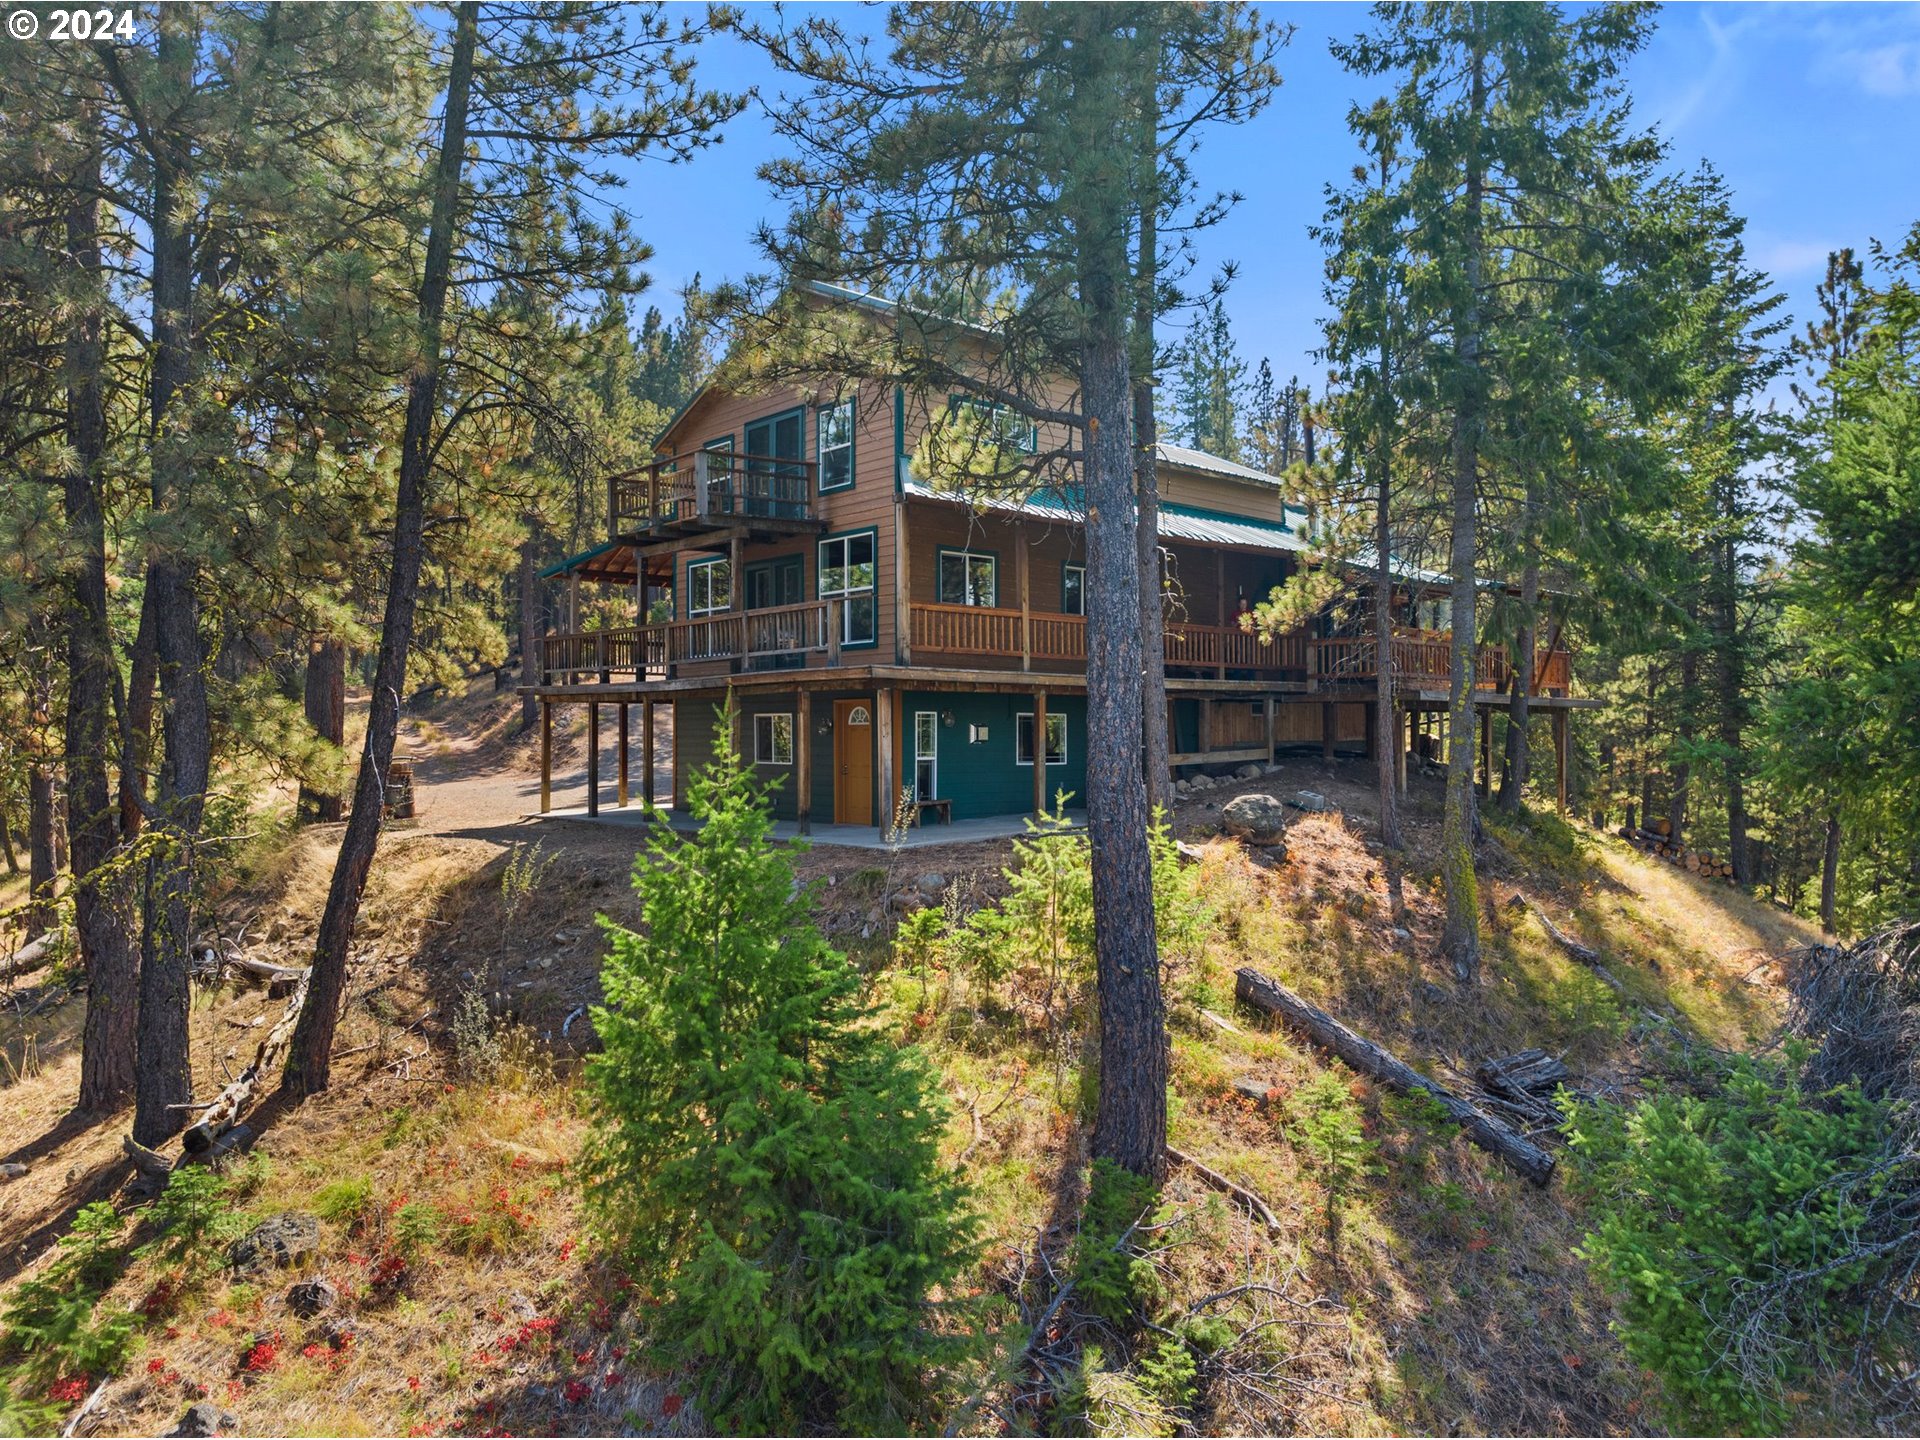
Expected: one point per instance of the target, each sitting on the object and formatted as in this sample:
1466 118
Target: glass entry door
776 478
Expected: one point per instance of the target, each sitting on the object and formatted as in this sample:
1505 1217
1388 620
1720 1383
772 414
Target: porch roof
1177 522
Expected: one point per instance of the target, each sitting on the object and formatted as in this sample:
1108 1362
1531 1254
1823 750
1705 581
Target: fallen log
1369 1059
1529 1072
27 958
225 1109
1585 954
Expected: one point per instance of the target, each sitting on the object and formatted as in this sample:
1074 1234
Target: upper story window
1001 425
709 587
1073 590
847 573
968 577
836 445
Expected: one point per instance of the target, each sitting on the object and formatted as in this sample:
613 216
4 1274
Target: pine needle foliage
764 1156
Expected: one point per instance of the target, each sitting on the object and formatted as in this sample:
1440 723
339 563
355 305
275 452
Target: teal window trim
702 564
771 731
1066 732
820 412
775 418
945 550
819 570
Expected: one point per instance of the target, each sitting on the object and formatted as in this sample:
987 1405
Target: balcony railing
1034 636
1423 659
710 487
753 638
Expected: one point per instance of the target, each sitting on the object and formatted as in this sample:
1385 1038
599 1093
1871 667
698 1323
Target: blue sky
1812 112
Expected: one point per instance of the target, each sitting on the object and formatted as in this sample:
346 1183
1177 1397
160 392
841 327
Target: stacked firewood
1657 840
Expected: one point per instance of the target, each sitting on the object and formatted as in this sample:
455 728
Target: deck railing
1424 659
710 487
653 652
1038 636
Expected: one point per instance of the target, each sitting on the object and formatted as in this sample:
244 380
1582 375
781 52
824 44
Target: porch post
646 753
1220 604
1267 715
803 760
1203 738
623 756
1560 757
883 760
1022 568
546 756
1039 752
593 757
1329 722
1402 742
903 599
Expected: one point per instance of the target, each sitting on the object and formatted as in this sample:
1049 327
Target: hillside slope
1430 1290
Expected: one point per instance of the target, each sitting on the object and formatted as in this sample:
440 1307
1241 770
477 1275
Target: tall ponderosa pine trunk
43 865
101 897
1460 938
1387 729
165 1079
1154 747
1731 673
1682 777
136 725
309 1062
324 698
1519 754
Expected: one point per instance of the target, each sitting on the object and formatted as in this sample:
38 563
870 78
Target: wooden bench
944 808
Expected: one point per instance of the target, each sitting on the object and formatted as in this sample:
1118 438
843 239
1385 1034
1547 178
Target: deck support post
1220 597
646 753
1023 569
622 789
883 758
1329 724
903 599
546 756
1203 730
593 757
1402 743
1040 752
1266 714
803 760
1560 757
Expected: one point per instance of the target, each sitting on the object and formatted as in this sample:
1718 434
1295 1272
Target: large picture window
773 739
847 573
1056 738
836 445
709 587
1001 426
968 577
926 756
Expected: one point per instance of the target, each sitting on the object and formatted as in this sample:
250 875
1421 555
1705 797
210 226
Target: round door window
859 716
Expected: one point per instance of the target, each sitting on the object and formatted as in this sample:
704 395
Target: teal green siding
983 779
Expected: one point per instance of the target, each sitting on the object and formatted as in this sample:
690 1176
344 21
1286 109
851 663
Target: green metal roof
574 562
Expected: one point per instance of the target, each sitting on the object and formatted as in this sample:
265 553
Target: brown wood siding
1299 723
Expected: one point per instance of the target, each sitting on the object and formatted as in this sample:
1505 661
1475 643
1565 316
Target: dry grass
1453 1302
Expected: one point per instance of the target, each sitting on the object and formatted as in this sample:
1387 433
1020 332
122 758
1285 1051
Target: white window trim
768 731
821 592
820 446
966 559
709 608
1052 715
933 757
1080 570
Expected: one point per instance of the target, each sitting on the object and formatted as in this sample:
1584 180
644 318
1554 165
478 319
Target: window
1056 738
1073 590
967 578
709 587
847 573
836 445
926 761
1000 425
773 739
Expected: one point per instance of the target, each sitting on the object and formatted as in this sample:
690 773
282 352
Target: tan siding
1228 497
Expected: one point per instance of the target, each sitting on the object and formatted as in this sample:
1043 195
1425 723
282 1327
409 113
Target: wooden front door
853 762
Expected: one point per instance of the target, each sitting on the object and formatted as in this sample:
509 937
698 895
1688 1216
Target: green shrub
50 1323
1327 1124
1701 1205
193 1216
344 1202
763 1156
1113 1281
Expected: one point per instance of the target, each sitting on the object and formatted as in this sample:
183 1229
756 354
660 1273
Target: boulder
203 1419
312 1297
1247 772
276 1241
1311 801
932 884
1258 818
12 1170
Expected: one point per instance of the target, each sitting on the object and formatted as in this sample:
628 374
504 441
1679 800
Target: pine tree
763 1154
1209 384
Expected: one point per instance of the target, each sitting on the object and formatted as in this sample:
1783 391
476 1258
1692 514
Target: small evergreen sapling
763 1156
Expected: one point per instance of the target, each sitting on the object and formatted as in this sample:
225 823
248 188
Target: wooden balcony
1049 641
783 635
1423 660
711 490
